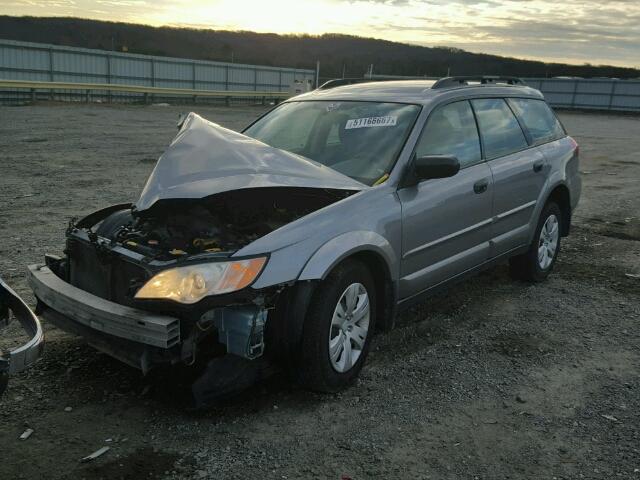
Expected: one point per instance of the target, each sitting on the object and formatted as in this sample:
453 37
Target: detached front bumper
136 337
20 358
141 338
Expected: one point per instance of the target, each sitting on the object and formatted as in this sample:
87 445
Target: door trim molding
508 213
476 226
404 303
447 237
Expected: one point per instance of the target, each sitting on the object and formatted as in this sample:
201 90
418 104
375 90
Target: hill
334 51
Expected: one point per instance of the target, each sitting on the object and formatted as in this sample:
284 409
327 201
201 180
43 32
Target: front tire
537 263
337 328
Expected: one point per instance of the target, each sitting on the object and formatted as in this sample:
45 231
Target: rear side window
500 130
451 130
538 119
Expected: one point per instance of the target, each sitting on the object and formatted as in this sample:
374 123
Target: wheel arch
385 297
286 321
375 252
562 197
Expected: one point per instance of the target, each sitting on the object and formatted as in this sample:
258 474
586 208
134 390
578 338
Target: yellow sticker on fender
387 121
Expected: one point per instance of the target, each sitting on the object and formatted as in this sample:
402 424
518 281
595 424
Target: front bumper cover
20 358
102 315
142 338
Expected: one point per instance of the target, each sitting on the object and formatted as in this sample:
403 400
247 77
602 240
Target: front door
446 223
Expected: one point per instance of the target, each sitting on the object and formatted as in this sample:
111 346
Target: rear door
446 222
518 171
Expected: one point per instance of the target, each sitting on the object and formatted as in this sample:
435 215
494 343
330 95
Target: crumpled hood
205 159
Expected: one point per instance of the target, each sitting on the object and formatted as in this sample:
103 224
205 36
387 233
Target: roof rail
458 81
339 82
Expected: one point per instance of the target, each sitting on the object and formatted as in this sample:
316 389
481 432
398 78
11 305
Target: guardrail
88 88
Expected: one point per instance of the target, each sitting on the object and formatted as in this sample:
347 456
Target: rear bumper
136 337
22 357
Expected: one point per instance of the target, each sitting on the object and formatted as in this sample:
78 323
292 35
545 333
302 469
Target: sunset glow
568 31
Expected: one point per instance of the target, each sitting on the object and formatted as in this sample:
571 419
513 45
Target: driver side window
451 130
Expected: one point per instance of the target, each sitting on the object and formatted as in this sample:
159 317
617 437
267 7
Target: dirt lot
491 380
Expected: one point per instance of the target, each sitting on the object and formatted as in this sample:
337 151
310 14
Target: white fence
51 63
592 93
580 93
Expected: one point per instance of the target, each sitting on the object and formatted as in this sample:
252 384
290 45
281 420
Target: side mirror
435 166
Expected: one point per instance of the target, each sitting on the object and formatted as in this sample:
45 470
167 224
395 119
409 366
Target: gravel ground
493 379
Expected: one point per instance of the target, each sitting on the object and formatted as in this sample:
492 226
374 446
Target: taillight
576 147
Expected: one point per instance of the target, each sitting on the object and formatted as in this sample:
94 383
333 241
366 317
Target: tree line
338 54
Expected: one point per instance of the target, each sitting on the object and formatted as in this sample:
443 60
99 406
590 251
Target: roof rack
458 81
339 82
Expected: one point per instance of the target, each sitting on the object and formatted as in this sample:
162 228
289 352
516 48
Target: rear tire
338 327
537 263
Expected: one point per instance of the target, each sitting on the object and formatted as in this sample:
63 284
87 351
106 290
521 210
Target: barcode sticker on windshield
387 121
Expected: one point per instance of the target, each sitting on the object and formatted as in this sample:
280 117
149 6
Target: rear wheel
537 263
338 328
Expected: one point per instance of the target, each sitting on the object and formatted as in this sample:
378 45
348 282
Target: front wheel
536 264
337 328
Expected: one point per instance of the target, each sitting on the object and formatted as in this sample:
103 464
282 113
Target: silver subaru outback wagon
293 240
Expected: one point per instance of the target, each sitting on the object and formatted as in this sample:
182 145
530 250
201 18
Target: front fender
343 246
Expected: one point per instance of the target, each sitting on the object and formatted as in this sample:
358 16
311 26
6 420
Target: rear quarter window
501 133
539 120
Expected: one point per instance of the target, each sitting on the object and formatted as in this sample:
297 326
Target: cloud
576 31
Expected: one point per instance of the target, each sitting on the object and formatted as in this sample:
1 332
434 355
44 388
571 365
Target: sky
597 32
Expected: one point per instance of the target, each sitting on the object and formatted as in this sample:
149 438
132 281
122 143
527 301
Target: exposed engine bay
224 222
157 281
212 192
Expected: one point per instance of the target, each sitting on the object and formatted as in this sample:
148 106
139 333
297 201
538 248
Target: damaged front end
160 281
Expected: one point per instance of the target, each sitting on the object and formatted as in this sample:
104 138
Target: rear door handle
481 186
537 166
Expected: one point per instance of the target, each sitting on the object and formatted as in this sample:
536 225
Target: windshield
359 139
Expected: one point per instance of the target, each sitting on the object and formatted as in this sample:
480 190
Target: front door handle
537 166
481 186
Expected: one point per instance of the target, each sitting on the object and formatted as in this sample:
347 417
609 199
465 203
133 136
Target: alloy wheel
349 327
548 242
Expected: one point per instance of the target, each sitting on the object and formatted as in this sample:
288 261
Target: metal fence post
279 80
255 81
612 93
573 96
153 80
193 75
51 71
108 57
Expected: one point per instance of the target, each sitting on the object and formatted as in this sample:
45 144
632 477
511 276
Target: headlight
190 284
